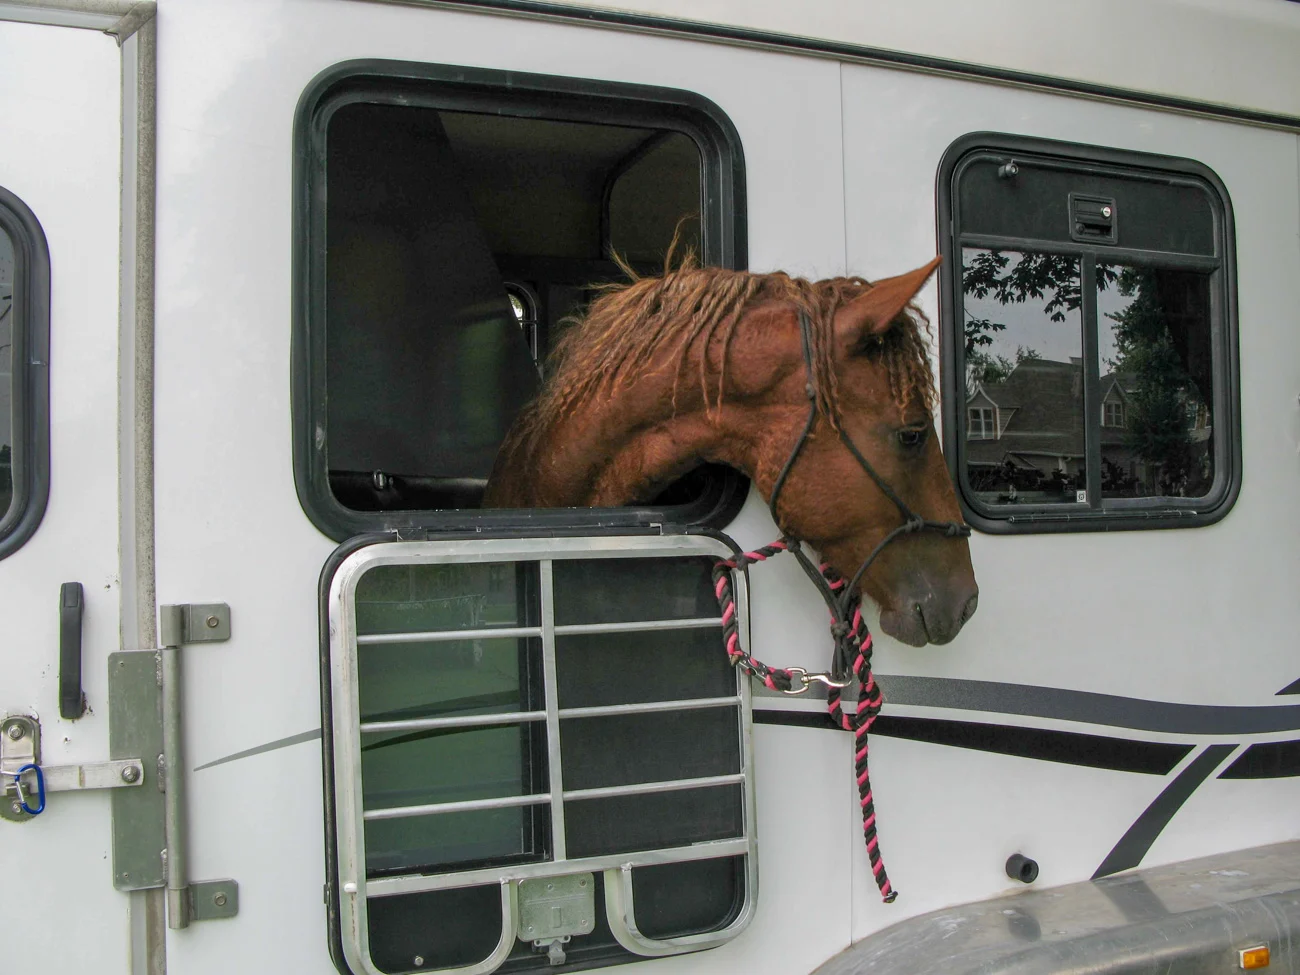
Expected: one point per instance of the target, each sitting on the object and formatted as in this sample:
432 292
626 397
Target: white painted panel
59 153
950 817
1133 612
229 523
1237 52
1203 616
230 527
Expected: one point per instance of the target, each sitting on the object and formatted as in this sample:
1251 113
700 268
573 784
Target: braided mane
612 345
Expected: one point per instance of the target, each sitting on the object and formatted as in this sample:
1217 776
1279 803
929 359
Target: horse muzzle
930 614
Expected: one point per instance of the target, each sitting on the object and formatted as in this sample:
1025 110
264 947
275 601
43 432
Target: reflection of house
1032 420
1025 435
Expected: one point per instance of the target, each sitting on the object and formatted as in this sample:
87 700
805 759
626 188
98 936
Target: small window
452 222
24 376
1089 337
979 424
540 739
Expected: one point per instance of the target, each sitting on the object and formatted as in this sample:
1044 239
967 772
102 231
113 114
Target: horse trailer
399 400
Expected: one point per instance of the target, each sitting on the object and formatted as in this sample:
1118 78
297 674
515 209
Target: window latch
1093 219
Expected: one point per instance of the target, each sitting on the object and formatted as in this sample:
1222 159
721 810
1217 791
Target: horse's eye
913 437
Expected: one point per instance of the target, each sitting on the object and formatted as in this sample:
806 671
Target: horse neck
624 445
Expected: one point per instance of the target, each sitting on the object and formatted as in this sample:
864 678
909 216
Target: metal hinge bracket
182 623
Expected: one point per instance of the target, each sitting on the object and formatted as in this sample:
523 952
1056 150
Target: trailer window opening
504 723
1089 338
450 232
6 372
24 376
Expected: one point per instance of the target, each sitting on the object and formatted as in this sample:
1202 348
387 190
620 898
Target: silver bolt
550 886
1105 211
418 960
17 808
582 883
130 774
219 899
212 622
15 731
529 928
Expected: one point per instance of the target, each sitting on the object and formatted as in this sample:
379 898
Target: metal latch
554 909
1094 219
24 782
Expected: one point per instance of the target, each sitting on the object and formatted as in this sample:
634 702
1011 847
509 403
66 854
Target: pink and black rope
853 642
870 701
772 677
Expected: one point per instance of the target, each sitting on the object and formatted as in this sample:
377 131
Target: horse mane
629 324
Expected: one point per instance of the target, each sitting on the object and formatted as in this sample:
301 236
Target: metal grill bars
548 631
509 632
418 883
518 717
538 798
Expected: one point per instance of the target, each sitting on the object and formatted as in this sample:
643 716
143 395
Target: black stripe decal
1292 688
1089 707
1134 844
1071 748
1267 760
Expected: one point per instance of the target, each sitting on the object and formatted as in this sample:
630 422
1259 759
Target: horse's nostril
969 609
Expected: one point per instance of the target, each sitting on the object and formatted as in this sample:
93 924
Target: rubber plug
1020 867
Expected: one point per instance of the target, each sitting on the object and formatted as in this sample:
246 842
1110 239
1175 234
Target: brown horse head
872 383
616 422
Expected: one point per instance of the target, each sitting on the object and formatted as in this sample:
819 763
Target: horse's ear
874 311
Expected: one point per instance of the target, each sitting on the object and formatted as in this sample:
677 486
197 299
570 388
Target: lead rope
852 643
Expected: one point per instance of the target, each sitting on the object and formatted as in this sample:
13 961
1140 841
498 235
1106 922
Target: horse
705 364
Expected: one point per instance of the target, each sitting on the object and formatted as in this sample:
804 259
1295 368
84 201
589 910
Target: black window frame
452 88
1100 514
30 376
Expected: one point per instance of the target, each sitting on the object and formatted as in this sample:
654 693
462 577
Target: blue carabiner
40 789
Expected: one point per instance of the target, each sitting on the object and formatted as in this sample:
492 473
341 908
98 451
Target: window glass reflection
1154 351
1024 377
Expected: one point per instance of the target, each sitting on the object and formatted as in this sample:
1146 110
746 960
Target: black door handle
72 604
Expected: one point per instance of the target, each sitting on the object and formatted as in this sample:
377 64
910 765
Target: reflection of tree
1164 401
1050 278
987 368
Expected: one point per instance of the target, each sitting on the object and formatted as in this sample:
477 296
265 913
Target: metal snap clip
806 680
40 789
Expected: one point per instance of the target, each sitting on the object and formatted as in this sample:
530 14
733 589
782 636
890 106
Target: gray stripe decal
1030 700
1085 706
270 746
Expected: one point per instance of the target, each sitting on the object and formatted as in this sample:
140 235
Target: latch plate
555 908
20 744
